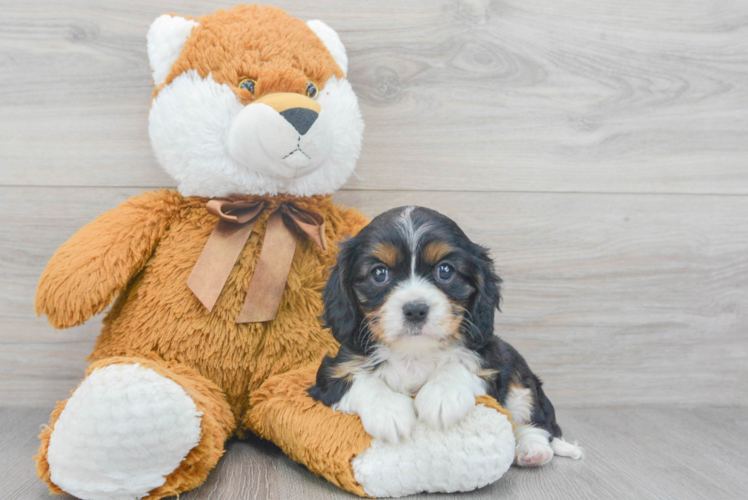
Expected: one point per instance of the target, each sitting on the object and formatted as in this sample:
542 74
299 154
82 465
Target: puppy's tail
564 448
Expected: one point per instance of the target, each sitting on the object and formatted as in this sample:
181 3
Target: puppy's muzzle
415 312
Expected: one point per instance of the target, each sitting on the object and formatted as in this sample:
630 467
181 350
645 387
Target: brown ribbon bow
236 219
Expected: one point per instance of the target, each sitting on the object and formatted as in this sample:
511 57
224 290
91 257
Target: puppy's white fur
448 396
519 403
534 447
563 448
394 325
444 381
385 414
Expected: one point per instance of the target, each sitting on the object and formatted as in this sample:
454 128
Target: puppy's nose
302 119
415 312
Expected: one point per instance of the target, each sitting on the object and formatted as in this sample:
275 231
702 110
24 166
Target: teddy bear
216 286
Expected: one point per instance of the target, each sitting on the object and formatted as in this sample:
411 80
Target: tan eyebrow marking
387 253
436 251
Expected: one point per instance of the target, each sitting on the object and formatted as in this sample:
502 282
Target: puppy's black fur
350 297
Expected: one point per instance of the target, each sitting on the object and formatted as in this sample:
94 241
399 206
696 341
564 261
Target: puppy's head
411 279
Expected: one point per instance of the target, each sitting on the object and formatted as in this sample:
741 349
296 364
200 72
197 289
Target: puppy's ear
341 313
479 329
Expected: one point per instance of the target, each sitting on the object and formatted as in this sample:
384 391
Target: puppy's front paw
442 404
390 419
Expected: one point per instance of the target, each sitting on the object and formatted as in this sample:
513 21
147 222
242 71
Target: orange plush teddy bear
217 287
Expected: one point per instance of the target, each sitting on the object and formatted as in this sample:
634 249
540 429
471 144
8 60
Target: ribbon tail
311 223
271 272
217 259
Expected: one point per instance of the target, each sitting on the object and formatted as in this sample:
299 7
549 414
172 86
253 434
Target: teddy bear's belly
159 315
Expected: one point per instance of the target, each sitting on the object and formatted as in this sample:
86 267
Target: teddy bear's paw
475 452
121 433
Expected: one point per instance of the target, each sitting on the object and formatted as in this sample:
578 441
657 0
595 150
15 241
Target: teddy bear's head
252 101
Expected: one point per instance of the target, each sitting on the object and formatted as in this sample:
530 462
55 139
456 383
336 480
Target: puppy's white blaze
411 235
519 403
214 146
533 446
385 414
563 448
415 289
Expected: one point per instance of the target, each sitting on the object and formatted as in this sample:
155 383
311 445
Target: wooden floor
599 148
666 453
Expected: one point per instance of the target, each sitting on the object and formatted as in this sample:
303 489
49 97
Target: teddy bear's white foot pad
121 433
475 452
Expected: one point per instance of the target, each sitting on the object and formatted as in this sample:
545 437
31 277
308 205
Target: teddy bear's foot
126 432
471 454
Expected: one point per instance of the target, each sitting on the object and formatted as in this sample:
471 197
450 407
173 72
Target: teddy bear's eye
311 90
248 84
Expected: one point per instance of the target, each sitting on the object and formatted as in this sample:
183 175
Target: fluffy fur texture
216 424
166 37
209 133
232 378
332 41
461 459
84 449
412 301
144 251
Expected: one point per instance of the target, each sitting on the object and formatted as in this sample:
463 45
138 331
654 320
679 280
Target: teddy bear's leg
135 428
473 453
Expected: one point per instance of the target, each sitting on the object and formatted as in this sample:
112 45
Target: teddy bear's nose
302 119
298 110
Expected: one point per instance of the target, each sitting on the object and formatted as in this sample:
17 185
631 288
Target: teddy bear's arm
96 263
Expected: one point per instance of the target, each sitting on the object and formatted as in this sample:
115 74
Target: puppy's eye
380 275
445 272
311 90
248 84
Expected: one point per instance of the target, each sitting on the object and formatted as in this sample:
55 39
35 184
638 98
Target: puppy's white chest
406 372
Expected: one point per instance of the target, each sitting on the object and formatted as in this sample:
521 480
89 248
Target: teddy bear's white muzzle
286 145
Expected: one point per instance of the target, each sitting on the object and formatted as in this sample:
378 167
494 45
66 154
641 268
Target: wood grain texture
613 299
663 454
512 95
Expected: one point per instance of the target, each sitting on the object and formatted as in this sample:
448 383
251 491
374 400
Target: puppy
411 301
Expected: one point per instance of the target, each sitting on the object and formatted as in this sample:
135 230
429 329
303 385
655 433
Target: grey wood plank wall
599 148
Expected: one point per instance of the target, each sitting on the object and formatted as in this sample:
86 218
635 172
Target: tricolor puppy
411 301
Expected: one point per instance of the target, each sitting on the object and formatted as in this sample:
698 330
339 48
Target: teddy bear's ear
166 37
332 41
